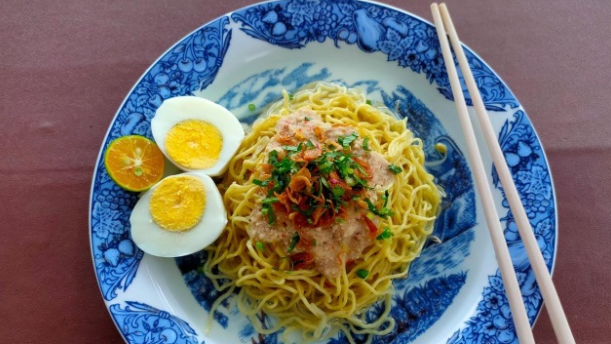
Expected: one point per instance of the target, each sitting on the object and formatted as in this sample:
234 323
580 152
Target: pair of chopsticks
443 23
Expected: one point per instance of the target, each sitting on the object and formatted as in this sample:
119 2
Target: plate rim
228 15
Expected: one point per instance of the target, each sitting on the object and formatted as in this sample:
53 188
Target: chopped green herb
345 141
273 157
319 189
271 216
350 181
267 209
309 145
362 273
310 221
294 240
360 168
314 243
385 198
366 144
263 183
326 167
251 107
338 192
386 234
259 246
303 212
361 182
339 220
384 213
291 96
284 166
395 169
290 148
307 119
324 182
368 102
270 200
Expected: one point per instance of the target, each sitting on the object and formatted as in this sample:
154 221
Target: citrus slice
134 162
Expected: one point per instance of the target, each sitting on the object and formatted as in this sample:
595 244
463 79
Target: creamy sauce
334 245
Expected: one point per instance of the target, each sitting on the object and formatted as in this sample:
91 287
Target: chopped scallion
271 216
326 167
270 200
362 273
294 240
366 144
395 169
338 192
345 141
386 234
290 148
324 182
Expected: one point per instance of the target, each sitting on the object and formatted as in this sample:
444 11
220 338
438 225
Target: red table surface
65 67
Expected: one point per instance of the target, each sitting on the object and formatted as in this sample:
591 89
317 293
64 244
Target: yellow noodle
305 301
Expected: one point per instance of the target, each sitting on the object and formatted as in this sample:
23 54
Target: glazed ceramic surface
454 292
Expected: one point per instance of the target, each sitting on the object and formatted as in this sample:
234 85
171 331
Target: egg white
153 239
175 110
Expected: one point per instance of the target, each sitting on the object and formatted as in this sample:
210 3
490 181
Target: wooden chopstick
508 274
544 279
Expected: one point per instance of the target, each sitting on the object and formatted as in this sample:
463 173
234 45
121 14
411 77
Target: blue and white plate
454 293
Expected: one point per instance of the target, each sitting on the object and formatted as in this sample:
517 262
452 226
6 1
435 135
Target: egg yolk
194 144
177 204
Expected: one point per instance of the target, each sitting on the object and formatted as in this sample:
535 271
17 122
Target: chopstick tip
443 7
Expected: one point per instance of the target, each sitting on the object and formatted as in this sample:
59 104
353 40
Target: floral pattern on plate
406 41
403 38
142 324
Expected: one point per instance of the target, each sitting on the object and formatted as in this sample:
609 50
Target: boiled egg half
197 134
179 215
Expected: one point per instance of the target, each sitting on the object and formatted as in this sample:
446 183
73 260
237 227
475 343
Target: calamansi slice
134 162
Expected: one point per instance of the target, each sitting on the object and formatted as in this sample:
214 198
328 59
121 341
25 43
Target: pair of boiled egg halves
184 213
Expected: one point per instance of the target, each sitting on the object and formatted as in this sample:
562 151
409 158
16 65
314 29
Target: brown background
65 67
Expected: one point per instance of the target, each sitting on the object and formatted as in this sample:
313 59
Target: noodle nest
306 302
